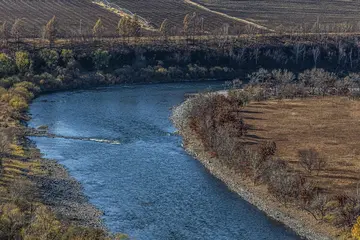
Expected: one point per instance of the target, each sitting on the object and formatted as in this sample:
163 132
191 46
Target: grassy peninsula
286 143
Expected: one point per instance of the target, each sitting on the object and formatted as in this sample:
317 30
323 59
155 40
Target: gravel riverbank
64 195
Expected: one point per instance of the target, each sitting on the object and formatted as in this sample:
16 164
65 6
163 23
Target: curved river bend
135 170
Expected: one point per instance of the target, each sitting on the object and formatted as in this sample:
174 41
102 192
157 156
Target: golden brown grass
331 125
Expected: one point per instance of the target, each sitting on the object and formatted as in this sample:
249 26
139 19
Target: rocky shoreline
64 194
298 221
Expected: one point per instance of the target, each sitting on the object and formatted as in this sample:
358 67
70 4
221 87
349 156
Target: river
133 168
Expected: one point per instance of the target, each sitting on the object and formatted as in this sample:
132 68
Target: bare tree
5 31
285 186
50 31
98 29
316 53
135 27
124 26
16 29
164 29
310 160
186 24
298 49
318 207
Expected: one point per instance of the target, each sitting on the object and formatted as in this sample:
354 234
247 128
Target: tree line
128 26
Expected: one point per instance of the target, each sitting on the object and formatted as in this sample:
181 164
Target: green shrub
50 57
66 55
9 81
43 226
23 92
28 85
101 59
11 221
22 60
19 103
7 66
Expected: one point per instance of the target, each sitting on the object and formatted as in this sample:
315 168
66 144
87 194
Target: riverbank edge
302 225
60 191
57 184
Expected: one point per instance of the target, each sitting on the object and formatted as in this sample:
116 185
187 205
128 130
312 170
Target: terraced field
73 16
290 14
155 11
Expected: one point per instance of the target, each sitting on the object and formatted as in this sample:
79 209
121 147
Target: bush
285 186
43 226
12 221
9 81
31 87
22 60
319 206
66 55
318 81
347 211
242 98
7 66
310 160
101 59
18 103
50 58
23 92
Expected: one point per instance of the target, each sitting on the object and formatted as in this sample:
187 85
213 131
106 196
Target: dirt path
228 16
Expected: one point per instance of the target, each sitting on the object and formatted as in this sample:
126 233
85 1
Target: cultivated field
329 125
74 16
290 14
155 11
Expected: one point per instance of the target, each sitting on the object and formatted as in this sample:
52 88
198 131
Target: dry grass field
69 13
174 11
329 125
289 13
77 17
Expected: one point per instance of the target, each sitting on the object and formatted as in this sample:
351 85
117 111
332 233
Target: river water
133 168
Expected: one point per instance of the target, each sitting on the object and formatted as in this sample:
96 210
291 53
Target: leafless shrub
318 81
318 207
285 185
257 165
347 211
242 98
267 150
310 160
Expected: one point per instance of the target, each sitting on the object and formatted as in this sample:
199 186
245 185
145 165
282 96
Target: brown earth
330 125
290 13
73 16
156 11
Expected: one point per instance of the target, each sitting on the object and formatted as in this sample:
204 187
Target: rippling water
134 169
